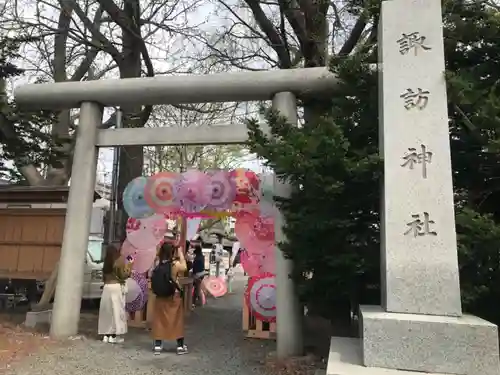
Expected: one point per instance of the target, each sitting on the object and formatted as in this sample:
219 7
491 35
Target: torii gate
92 96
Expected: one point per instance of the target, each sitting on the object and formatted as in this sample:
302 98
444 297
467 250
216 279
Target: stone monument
420 325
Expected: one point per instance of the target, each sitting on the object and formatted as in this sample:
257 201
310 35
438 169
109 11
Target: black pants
197 301
180 342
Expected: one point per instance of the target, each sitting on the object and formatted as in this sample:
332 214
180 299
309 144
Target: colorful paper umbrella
254 232
222 190
137 292
263 229
159 191
216 286
261 297
191 193
247 190
267 261
146 233
144 260
133 199
250 264
128 250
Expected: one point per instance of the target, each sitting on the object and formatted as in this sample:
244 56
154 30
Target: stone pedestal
35 318
420 326
440 344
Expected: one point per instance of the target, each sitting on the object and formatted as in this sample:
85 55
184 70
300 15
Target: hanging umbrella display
255 233
144 260
137 292
250 264
159 192
191 193
216 286
127 250
247 190
134 201
146 233
261 297
267 262
222 190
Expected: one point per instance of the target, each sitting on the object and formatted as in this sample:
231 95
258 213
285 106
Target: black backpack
162 283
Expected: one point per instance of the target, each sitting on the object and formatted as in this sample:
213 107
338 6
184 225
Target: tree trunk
48 292
131 157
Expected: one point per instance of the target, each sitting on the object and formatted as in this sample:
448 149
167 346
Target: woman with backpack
168 314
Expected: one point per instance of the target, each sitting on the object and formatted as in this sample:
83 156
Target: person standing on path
168 311
112 316
198 274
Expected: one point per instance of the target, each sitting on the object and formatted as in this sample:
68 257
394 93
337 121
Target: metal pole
67 303
288 312
114 183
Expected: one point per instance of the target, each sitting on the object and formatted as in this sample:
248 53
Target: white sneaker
105 339
116 340
182 350
157 350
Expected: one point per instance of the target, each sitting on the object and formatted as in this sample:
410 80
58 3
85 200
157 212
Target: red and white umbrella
159 191
261 297
216 286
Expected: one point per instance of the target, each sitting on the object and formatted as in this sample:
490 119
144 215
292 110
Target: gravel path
216 347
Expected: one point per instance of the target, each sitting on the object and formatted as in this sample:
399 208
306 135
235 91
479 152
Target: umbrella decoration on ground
137 292
261 297
146 233
191 193
159 192
134 201
216 286
222 190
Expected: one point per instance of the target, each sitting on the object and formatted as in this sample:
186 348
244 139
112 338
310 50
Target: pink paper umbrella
256 233
159 192
137 292
261 297
216 286
242 230
247 190
267 262
191 193
144 260
250 264
222 190
146 233
128 250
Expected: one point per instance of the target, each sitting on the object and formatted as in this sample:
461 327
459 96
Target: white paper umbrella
133 290
261 297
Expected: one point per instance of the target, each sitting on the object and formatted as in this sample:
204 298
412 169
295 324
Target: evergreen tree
23 135
333 214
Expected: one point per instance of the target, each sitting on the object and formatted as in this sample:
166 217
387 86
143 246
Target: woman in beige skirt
168 312
112 317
